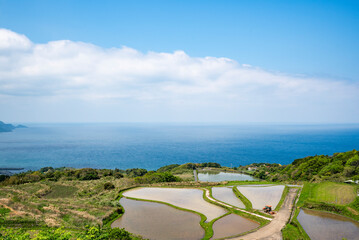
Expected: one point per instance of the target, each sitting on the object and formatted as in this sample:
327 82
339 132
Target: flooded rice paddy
224 176
321 225
231 225
262 195
158 221
191 199
226 194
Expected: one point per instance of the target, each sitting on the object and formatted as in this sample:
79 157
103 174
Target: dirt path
273 229
229 206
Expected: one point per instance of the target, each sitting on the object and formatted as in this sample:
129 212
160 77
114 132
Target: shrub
108 186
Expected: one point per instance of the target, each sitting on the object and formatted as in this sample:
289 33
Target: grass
293 231
329 192
244 200
284 194
71 204
61 191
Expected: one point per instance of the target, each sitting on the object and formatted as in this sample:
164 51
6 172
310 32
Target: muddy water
224 176
225 194
327 226
231 225
191 199
158 221
262 195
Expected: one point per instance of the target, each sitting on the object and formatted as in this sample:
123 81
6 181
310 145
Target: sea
152 145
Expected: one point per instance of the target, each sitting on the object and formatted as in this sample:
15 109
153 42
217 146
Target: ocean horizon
152 145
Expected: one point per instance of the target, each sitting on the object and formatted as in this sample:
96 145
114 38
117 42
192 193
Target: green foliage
355 204
3 213
113 216
156 177
353 161
55 174
3 177
167 168
339 167
136 172
291 232
94 233
108 186
87 174
209 164
91 233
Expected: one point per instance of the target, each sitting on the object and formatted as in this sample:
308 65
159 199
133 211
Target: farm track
273 229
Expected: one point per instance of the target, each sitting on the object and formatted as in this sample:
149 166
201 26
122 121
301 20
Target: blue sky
309 37
313 42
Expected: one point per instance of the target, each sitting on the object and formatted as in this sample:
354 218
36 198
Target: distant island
6 127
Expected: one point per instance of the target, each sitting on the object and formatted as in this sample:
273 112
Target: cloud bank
76 81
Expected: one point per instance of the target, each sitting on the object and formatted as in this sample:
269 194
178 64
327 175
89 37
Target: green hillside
339 167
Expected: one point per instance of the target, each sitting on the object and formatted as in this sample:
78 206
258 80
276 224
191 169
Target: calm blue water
154 145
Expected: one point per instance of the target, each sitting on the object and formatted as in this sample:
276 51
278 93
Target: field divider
208 195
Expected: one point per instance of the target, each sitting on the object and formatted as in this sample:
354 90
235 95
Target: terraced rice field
191 199
232 225
224 176
159 221
262 195
322 225
337 193
225 194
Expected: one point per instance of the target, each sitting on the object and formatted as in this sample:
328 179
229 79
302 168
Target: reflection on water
321 225
231 225
226 194
262 195
191 199
158 221
224 176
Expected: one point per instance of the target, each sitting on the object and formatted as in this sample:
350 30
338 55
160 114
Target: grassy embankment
70 204
284 194
338 198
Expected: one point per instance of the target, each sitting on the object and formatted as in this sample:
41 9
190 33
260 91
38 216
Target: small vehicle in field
268 209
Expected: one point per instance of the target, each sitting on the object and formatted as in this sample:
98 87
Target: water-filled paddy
226 194
321 225
262 195
158 221
231 225
224 176
191 199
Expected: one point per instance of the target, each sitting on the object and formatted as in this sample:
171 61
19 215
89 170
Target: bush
154 177
136 172
87 174
108 186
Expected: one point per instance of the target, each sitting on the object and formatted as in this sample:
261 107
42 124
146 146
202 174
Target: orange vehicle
268 209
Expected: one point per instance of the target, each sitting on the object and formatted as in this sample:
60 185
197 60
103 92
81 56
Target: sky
179 61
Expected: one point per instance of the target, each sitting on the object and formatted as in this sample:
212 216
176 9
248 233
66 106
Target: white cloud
66 70
13 41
